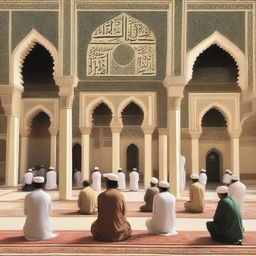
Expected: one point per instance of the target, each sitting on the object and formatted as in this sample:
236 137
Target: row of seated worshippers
96 179
49 176
111 224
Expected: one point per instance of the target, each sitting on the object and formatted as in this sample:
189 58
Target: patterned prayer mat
186 243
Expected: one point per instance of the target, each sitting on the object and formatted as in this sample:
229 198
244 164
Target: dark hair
120 170
195 180
153 184
111 183
38 185
163 189
86 183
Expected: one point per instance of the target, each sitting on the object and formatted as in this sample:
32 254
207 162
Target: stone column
66 92
175 86
234 150
116 130
163 154
147 154
24 147
85 131
194 152
11 101
53 155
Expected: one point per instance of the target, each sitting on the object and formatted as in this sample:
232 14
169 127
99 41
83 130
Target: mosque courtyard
75 237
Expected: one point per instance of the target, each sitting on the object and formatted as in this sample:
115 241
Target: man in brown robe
149 195
87 199
111 224
196 196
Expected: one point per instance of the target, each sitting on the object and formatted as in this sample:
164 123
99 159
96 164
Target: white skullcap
120 169
163 184
51 168
30 170
202 170
228 171
222 190
234 177
38 179
111 176
134 169
154 180
96 168
194 176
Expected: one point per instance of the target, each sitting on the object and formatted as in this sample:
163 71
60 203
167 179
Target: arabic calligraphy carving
122 46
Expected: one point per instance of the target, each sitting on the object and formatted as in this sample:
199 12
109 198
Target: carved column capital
174 102
194 135
11 99
53 131
148 129
174 81
116 129
85 130
235 134
66 90
162 131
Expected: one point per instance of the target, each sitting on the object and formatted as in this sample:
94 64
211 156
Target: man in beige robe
87 199
196 196
111 224
149 195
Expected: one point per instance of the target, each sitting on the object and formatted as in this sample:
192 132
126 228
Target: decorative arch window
122 46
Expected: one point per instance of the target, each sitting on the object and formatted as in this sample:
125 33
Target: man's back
134 180
148 198
163 212
87 201
237 190
51 179
37 207
96 181
111 224
28 178
196 196
203 179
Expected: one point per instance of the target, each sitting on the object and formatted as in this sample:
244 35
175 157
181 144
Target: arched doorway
213 166
76 153
37 72
132 157
39 141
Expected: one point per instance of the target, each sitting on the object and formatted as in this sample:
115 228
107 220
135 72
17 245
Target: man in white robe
163 218
203 177
41 171
77 178
182 173
134 180
227 178
121 179
28 179
51 179
96 179
237 190
37 207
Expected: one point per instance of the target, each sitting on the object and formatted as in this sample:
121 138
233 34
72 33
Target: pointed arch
136 101
30 115
22 50
228 46
223 110
92 105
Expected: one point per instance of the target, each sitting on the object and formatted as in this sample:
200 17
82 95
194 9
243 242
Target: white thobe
77 179
203 178
37 207
96 181
226 178
28 178
51 180
182 173
163 215
121 180
134 181
237 190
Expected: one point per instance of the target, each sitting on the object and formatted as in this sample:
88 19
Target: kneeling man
111 224
149 195
163 218
196 195
227 225
87 199
37 207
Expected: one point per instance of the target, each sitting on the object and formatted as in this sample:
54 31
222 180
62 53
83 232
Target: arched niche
132 155
213 163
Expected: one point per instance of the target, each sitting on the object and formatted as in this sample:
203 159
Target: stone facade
120 54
